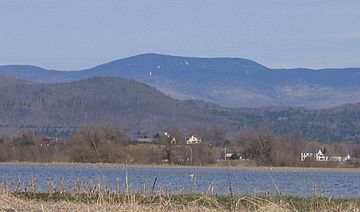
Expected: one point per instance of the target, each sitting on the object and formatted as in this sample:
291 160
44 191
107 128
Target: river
200 180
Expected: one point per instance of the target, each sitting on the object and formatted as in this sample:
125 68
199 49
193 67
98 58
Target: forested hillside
126 103
59 109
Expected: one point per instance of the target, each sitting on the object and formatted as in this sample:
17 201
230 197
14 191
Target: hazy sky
78 34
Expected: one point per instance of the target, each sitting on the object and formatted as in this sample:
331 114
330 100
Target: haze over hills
229 82
57 109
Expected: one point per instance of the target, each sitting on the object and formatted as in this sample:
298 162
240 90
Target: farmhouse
193 140
321 156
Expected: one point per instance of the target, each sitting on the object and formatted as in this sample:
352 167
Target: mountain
60 108
67 106
230 82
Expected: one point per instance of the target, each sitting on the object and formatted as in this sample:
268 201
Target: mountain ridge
230 82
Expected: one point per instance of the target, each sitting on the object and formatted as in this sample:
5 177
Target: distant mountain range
229 82
59 108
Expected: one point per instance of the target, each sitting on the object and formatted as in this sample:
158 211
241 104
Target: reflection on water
174 180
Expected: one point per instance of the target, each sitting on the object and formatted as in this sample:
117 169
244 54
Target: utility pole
191 154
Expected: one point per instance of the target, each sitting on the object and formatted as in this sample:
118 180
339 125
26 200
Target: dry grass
136 202
94 195
10 202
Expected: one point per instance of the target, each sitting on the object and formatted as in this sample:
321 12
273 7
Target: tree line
106 144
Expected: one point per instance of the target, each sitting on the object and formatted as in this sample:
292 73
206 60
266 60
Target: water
175 180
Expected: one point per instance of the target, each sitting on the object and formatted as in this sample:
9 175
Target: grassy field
164 202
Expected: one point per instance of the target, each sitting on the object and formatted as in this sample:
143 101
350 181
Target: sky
73 35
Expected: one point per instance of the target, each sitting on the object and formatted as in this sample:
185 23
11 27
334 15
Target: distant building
320 156
173 140
305 155
193 140
233 156
336 158
346 158
228 155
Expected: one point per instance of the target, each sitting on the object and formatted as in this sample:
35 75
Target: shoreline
170 166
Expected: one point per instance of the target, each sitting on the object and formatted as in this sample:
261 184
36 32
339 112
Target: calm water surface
243 181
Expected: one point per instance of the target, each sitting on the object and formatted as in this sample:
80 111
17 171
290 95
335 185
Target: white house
346 158
336 158
305 155
339 158
193 140
320 156
228 156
